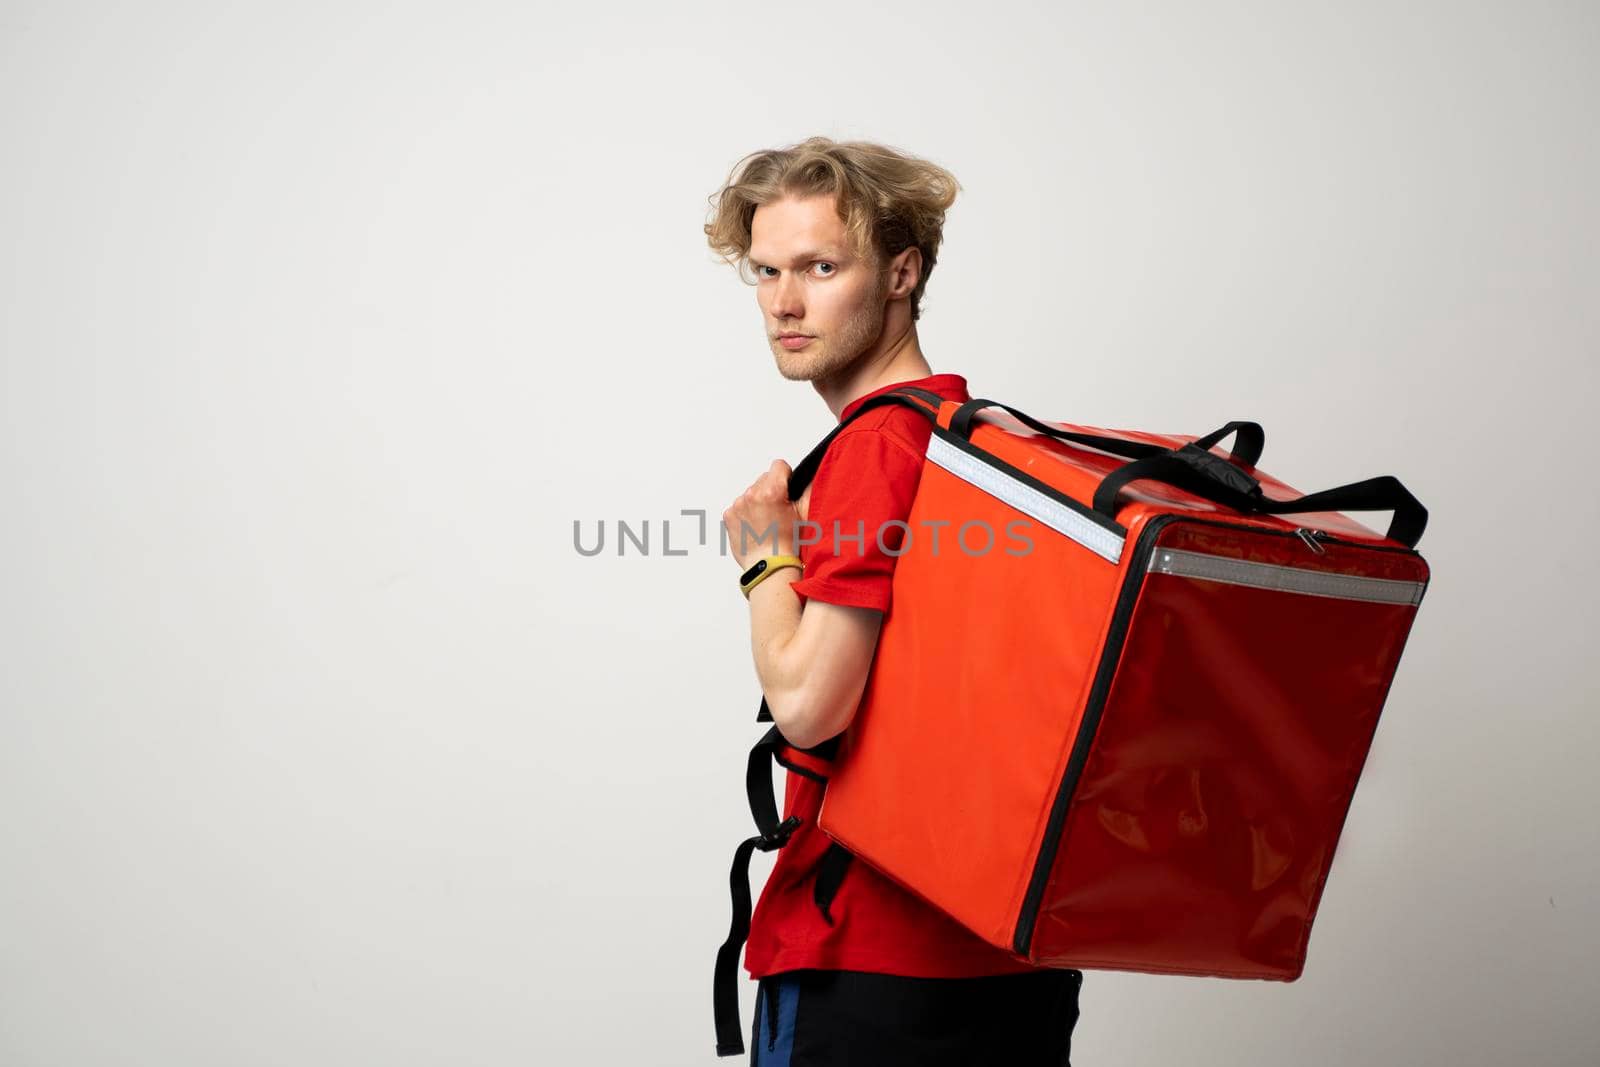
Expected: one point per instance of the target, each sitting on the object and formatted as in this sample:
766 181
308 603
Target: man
841 238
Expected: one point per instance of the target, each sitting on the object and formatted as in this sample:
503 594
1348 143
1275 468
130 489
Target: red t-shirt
868 476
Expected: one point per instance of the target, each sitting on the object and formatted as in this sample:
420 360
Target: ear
904 271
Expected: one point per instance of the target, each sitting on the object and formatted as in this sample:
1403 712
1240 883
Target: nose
786 298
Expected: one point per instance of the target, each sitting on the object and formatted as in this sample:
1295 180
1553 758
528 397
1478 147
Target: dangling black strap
830 874
771 834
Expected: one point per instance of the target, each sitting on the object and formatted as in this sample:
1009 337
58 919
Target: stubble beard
828 357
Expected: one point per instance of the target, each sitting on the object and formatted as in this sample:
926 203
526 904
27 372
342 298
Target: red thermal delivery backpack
1118 706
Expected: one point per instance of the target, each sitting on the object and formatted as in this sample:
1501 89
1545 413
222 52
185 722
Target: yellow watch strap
764 568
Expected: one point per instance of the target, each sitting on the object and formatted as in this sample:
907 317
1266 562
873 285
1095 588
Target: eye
761 271
832 270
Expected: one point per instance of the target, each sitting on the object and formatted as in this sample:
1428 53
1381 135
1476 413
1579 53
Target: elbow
805 719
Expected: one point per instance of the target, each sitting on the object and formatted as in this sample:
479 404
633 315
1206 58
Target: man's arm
812 660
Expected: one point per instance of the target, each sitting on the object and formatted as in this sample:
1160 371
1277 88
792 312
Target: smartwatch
764 567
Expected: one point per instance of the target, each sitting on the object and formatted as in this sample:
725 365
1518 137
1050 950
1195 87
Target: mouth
794 340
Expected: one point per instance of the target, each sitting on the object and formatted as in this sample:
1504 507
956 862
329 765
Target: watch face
754 571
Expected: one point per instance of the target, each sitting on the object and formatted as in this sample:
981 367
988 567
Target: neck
899 360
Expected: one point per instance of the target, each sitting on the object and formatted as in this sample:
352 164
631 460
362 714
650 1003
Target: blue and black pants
854 1019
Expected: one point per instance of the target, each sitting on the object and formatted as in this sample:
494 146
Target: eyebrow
805 257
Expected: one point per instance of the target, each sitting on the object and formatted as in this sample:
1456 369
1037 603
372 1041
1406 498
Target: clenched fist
763 521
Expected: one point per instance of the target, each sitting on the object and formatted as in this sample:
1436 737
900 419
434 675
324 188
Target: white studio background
320 324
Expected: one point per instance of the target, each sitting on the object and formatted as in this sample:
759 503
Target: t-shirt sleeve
864 484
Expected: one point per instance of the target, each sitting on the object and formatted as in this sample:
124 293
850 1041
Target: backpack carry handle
1246 446
1206 474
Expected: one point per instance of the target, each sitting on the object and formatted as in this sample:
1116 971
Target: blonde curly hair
888 200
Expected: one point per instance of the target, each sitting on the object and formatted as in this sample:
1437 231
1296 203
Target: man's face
808 281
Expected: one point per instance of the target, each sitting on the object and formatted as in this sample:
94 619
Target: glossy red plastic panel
1203 825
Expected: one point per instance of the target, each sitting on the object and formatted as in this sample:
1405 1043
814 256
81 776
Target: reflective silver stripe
1289 579
1026 499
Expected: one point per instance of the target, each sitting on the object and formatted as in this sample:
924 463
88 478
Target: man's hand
762 520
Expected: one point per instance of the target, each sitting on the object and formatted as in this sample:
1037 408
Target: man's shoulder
897 430
895 423
891 426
